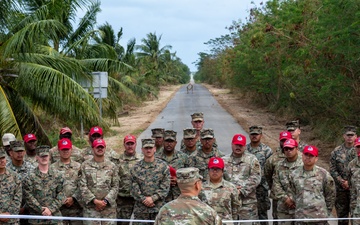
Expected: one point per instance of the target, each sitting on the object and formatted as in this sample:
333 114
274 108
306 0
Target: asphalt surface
177 116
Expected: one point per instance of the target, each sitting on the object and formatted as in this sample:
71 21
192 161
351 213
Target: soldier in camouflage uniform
294 128
158 135
245 172
220 194
205 152
189 138
312 188
70 171
262 153
76 154
30 142
354 183
43 189
281 187
150 183
6 139
340 158
269 169
99 185
187 208
173 158
94 134
125 202
10 192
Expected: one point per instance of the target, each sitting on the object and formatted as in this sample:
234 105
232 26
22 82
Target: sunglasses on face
288 149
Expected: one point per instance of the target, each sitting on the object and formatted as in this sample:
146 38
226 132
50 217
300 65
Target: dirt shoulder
242 109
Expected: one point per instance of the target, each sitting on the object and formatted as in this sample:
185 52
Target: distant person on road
220 194
70 171
294 128
30 142
189 138
340 158
313 189
150 183
125 202
205 152
187 208
99 185
262 153
76 154
173 158
244 171
269 169
281 185
158 135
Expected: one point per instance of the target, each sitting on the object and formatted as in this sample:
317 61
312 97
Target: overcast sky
184 24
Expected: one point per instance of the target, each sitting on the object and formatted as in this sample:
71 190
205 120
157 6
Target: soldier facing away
187 208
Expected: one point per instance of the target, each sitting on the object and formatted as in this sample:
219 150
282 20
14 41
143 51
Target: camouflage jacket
11 194
281 186
354 182
313 192
340 158
99 180
270 164
245 172
262 153
189 153
149 179
189 211
43 190
177 160
125 165
223 197
301 146
76 154
23 170
31 160
201 161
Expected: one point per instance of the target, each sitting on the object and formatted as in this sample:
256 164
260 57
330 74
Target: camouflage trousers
263 203
74 211
108 213
125 208
248 212
144 216
312 223
342 206
284 215
274 211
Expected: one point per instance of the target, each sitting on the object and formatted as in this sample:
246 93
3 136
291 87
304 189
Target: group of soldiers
197 184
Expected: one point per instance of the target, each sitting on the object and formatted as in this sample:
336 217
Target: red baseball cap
172 171
64 143
239 139
98 142
29 137
96 130
291 143
65 130
129 138
312 150
357 142
284 135
216 162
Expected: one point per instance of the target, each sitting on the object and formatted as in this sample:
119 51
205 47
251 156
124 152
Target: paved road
176 116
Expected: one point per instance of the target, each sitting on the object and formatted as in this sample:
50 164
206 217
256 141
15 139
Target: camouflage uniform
354 182
313 193
269 171
222 197
99 180
338 163
43 190
281 187
125 202
31 159
149 179
189 133
76 154
10 192
158 133
187 209
70 172
262 153
245 171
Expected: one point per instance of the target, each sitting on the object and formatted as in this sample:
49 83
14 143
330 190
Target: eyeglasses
350 135
207 139
197 121
288 149
215 169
